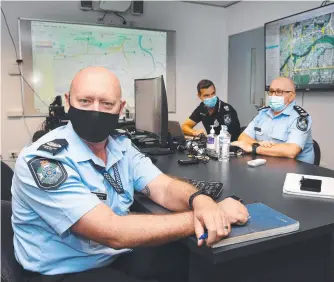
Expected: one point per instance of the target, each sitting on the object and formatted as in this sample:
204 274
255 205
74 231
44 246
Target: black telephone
313 185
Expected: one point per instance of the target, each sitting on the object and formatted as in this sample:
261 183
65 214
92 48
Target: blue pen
205 235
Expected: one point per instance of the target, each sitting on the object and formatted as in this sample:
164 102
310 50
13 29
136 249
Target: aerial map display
302 49
59 50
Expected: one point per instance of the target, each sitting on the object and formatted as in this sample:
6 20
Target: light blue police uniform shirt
284 128
42 218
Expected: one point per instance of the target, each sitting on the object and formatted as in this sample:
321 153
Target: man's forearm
187 130
177 195
149 230
246 138
279 150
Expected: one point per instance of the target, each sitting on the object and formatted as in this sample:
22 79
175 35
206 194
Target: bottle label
211 140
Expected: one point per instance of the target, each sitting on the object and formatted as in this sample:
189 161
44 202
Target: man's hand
198 132
235 211
208 215
247 147
267 144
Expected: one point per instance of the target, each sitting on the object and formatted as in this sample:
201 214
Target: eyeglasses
277 92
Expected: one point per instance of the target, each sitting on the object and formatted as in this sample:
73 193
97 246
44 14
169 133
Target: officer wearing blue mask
72 192
211 111
282 129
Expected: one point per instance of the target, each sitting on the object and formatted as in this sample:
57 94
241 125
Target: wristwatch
193 196
254 147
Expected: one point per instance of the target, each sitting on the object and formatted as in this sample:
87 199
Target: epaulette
54 147
262 108
300 111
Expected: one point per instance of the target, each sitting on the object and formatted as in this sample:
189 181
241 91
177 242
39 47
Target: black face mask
93 126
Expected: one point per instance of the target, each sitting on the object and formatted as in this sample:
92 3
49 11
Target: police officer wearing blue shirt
73 189
281 130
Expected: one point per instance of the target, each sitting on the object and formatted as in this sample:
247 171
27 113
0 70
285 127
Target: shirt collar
80 152
287 111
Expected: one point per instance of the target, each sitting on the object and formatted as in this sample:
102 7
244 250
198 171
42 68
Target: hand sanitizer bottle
211 141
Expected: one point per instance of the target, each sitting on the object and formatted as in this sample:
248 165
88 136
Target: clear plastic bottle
224 144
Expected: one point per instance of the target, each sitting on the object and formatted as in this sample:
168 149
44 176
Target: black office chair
317 153
242 129
11 270
6 182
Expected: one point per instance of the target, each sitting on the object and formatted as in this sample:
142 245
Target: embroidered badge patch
226 108
302 123
227 119
48 174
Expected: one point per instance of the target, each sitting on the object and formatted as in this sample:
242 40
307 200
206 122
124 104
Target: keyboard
156 151
211 188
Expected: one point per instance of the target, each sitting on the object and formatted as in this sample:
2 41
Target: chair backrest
11 270
317 153
242 129
6 182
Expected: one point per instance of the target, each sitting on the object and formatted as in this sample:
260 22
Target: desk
260 184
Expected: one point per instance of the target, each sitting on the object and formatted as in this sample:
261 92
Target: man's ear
292 97
123 103
67 101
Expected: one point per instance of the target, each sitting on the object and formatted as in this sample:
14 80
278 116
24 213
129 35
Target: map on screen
307 50
302 47
59 50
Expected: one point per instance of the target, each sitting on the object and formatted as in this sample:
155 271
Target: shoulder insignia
302 123
227 119
263 108
48 174
54 146
300 111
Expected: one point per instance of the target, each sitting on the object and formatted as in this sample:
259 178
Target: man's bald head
95 77
96 88
283 83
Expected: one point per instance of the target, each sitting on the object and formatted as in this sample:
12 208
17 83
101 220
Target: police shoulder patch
54 147
227 119
302 123
300 111
48 174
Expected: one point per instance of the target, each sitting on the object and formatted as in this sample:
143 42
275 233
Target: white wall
250 15
201 52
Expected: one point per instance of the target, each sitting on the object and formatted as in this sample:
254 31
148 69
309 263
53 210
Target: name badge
101 196
257 129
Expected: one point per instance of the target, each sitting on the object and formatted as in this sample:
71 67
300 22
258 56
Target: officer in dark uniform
212 111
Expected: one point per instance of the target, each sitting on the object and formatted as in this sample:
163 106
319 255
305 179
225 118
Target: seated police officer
211 111
72 190
281 130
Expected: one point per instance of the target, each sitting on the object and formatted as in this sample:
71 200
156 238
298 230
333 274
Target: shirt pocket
258 133
279 133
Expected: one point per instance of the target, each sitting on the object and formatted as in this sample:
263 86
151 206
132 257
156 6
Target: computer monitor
151 107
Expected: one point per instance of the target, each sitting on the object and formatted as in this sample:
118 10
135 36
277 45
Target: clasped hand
217 218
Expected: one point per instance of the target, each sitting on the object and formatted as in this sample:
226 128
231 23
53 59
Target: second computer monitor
151 108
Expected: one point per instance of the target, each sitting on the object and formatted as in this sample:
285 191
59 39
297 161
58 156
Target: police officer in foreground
73 188
282 129
211 111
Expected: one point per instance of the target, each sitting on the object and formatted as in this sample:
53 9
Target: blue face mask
210 102
276 103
